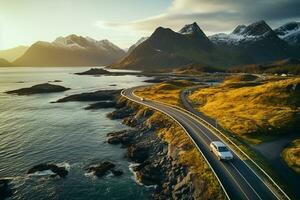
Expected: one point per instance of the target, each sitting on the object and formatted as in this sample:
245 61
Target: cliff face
165 155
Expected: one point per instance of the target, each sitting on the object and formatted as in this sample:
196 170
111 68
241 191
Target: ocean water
34 131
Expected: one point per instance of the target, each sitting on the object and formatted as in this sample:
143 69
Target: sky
123 22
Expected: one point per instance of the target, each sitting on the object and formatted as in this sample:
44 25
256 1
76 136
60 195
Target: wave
134 177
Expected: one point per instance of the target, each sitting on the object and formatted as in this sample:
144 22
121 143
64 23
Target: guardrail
184 129
214 129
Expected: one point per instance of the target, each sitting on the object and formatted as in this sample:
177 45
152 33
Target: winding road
237 178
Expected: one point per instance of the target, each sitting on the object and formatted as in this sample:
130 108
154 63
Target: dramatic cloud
218 15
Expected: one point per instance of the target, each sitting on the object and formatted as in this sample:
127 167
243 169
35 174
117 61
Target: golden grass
251 109
167 92
291 155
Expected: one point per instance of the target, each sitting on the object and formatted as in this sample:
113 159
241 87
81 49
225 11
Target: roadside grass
254 111
167 92
181 145
273 104
291 155
181 148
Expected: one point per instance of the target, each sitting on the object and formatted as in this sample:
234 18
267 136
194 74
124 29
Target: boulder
102 168
121 137
138 152
60 171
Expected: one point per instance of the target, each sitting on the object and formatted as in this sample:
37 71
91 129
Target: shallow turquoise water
33 131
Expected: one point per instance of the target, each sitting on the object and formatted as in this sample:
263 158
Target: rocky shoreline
157 161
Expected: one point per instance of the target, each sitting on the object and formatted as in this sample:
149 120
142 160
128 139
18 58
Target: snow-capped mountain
140 41
242 33
192 29
290 32
71 50
79 42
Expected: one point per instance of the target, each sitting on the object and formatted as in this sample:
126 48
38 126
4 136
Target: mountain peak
239 29
288 28
191 29
255 29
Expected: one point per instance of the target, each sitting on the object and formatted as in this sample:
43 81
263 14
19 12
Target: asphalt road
237 178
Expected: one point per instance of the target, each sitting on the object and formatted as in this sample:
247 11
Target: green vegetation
252 110
167 92
291 155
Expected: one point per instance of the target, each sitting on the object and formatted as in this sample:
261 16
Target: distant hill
4 63
13 53
252 44
72 50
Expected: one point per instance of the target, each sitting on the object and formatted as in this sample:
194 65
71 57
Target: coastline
157 162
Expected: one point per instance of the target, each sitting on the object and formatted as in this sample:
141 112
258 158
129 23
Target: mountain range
72 50
251 44
256 43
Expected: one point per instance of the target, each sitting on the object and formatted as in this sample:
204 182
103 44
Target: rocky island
54 168
100 169
39 89
94 71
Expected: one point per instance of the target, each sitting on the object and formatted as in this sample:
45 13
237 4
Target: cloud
216 15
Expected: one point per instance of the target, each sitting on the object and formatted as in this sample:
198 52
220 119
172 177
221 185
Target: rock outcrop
39 89
57 170
102 168
157 161
101 95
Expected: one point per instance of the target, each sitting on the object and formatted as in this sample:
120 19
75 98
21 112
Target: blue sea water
34 131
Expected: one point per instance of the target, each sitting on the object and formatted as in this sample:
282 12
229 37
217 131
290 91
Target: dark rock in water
94 71
5 190
102 104
138 152
117 172
155 80
149 174
38 89
120 113
55 81
60 171
101 168
121 137
101 95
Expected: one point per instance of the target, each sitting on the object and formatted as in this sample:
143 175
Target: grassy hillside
167 92
287 66
291 155
250 109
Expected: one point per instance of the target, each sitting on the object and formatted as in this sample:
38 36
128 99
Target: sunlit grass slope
251 109
291 155
167 92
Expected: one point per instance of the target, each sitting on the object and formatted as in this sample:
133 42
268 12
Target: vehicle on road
142 99
220 150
